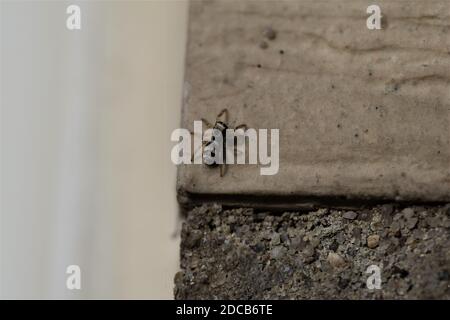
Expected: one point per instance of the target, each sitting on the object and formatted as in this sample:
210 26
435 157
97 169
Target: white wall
86 176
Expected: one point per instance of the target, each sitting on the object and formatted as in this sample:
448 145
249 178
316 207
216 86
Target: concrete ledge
362 114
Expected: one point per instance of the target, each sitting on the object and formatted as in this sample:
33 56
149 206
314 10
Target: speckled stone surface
362 114
322 254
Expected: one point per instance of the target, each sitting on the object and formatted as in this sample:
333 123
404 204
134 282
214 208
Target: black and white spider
210 145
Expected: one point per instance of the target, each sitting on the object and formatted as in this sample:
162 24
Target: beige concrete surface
363 114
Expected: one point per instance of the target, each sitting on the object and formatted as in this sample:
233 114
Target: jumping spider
221 124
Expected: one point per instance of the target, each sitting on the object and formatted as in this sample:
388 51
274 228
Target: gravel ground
324 254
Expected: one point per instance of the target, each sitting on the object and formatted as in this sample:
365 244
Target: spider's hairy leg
207 123
193 134
241 126
204 143
223 169
224 114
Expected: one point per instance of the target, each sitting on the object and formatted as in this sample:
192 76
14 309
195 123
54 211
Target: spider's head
221 126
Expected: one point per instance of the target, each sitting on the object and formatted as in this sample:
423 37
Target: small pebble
308 251
263 45
352 251
357 233
334 246
411 223
395 228
275 239
409 241
192 240
350 215
408 213
387 209
373 240
285 238
297 243
418 234
269 33
258 247
314 242
433 222
387 214
309 255
365 216
276 252
340 238
335 260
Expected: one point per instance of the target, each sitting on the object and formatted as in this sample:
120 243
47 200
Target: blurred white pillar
86 176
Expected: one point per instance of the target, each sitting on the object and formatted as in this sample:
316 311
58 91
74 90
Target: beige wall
86 176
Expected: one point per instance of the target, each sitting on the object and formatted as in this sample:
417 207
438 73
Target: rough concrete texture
361 113
323 254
